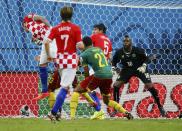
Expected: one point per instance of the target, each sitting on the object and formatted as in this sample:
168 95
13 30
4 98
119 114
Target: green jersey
96 59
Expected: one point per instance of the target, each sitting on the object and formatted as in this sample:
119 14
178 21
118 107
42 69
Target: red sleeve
52 34
78 35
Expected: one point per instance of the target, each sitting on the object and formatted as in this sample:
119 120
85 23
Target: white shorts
67 77
52 50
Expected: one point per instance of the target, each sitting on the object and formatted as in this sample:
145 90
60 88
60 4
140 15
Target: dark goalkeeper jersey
131 60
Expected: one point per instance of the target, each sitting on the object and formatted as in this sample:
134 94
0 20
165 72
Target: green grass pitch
33 124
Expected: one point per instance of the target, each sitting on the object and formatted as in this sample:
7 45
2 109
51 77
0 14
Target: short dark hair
26 107
127 37
66 13
101 26
87 41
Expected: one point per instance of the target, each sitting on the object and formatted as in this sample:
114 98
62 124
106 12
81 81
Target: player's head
66 13
127 43
87 41
99 28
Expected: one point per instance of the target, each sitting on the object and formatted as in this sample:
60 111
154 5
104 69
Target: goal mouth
154 25
160 4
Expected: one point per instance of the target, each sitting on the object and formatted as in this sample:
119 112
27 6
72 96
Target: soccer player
134 63
39 27
100 39
68 37
101 78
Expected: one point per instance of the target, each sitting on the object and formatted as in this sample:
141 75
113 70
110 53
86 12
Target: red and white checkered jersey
38 30
67 60
30 17
102 41
67 36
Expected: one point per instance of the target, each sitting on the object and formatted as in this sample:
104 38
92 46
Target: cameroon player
101 78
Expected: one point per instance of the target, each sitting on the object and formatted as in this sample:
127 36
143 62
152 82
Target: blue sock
93 95
43 77
59 100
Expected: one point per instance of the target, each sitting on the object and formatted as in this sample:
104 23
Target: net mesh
130 3
155 26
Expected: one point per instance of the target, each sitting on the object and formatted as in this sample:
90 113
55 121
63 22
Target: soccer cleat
129 116
97 114
41 96
162 111
53 118
58 116
102 117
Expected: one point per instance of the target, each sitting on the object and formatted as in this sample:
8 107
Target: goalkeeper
134 63
39 27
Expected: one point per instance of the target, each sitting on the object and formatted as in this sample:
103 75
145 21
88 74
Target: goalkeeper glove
142 68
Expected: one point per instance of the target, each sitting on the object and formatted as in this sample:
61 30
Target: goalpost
154 25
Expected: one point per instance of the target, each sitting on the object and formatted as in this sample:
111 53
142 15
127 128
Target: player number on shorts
100 57
65 38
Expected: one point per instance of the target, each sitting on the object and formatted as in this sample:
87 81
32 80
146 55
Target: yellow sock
52 99
116 106
88 98
73 104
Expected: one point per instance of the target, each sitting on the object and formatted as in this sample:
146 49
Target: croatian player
68 38
99 39
39 27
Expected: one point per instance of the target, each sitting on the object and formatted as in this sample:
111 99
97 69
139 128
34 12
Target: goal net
154 25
